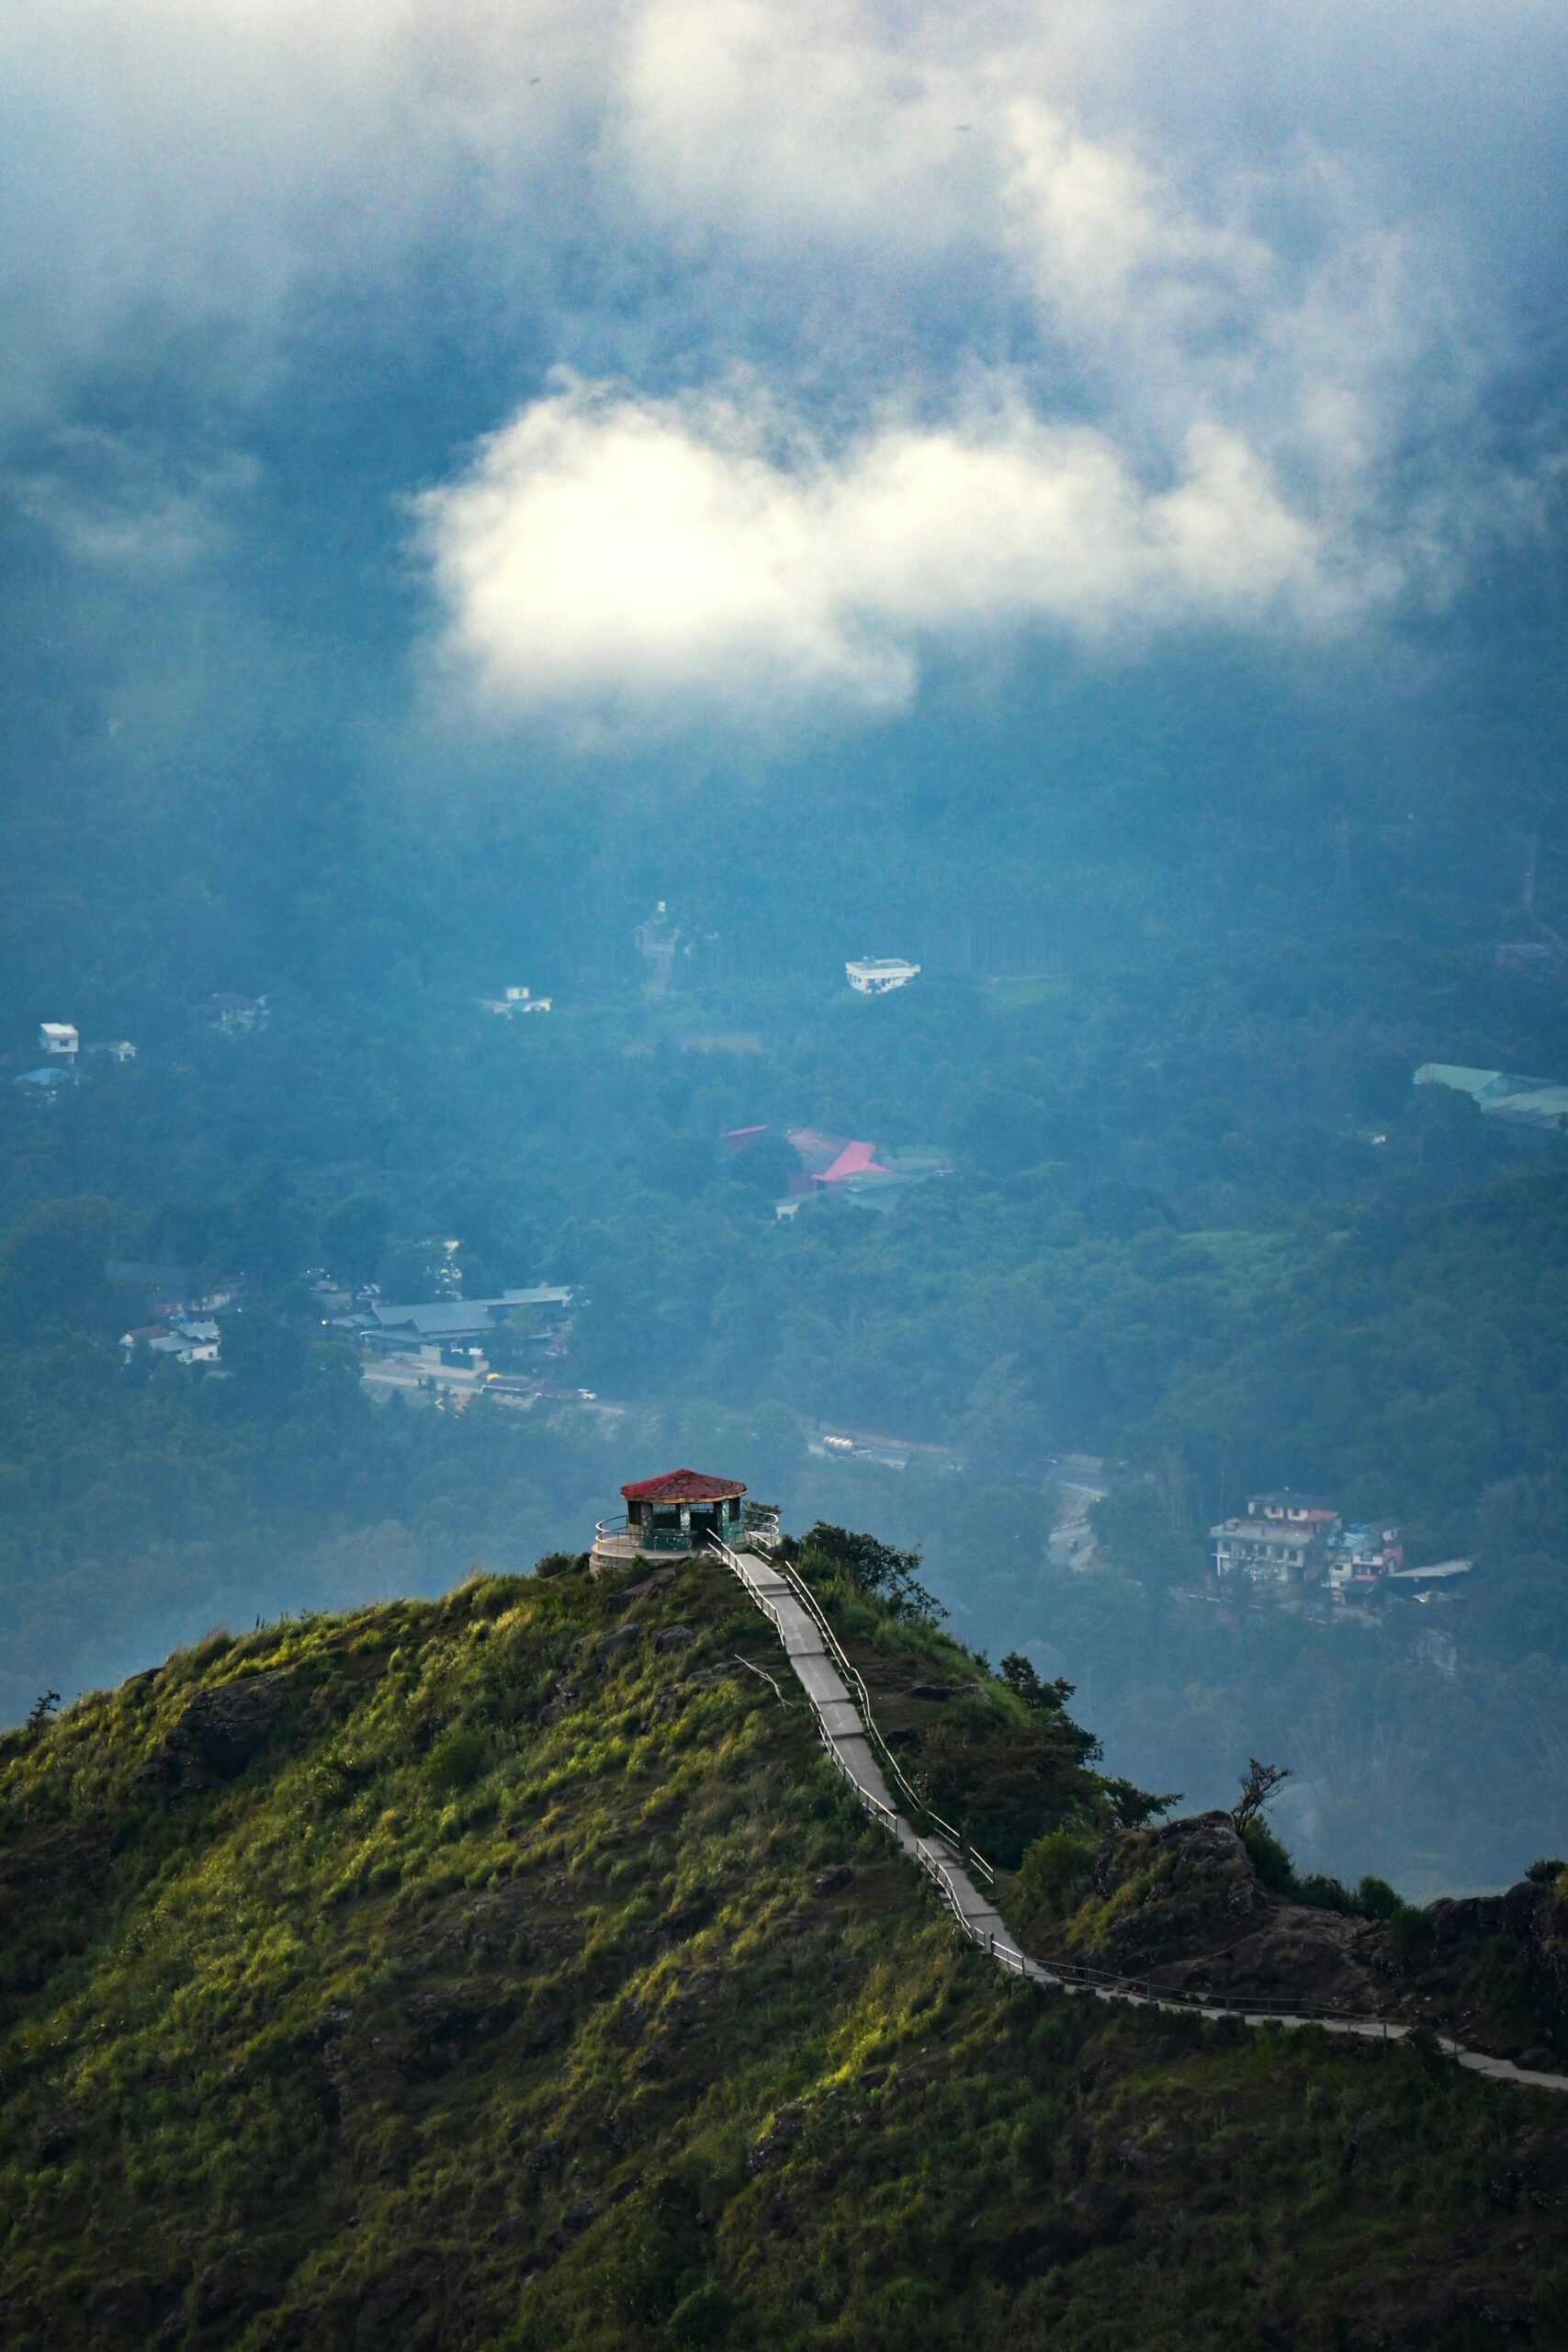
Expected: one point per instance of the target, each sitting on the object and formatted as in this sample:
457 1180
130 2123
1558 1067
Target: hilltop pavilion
675 1512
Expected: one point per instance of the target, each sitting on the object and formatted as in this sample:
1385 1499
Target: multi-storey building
1282 1539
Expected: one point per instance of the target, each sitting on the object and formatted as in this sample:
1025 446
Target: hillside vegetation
511 1969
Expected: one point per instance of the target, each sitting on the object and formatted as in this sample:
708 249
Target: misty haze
784 1176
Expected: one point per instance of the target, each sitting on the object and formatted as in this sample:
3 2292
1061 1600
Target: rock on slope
443 1976
1181 1906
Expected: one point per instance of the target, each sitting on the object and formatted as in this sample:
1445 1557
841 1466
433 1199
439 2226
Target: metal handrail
1069 1976
890 1763
1065 1971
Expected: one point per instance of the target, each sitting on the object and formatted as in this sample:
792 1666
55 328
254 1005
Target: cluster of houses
879 975
236 1016
1287 1544
180 1313
60 1043
515 1004
443 1341
450 1341
1529 959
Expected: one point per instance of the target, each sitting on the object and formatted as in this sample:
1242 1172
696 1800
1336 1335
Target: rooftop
682 1486
451 1317
1518 1101
855 1160
1273 1531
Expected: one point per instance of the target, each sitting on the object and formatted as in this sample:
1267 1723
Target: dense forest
1197 1222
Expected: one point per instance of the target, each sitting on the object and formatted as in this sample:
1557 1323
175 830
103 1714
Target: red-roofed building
855 1160
674 1513
829 1160
682 1486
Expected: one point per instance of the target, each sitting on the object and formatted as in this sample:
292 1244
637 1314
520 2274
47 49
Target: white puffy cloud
1113 319
614 554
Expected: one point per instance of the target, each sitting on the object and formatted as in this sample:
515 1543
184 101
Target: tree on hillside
353 1239
53 1266
1140 1529
875 1568
767 1165
1259 1783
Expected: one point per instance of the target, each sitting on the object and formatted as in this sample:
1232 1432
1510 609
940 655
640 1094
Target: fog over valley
818 751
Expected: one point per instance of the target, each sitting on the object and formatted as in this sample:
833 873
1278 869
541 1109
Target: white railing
1068 1975
890 1764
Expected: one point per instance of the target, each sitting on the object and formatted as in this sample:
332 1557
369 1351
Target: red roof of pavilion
682 1486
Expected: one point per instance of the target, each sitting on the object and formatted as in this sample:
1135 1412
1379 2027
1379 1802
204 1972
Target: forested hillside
1198 1221
805 763
512 1969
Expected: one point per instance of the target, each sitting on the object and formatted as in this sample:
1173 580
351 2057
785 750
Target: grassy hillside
511 1970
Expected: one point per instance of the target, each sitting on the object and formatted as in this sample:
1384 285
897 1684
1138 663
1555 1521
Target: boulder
1533 2172
1456 1919
1203 1842
1201 1922
221 1732
781 2134
58 2135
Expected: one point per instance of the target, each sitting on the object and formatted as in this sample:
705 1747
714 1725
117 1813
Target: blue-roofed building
448 1323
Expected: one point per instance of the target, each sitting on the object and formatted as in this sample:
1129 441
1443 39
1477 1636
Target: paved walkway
845 1737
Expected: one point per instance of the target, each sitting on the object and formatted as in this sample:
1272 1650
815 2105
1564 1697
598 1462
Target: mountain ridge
477 1975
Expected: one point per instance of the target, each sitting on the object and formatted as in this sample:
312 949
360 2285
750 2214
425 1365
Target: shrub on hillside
457 1761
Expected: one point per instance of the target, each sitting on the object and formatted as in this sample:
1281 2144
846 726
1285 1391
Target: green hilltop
513 1970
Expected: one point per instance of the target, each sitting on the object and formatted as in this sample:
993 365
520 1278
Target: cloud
608 553
1177 390
891 333
109 502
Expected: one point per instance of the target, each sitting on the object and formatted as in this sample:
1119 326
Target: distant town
1294 1551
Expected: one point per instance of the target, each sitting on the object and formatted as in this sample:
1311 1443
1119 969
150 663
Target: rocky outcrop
1181 1906
1460 1919
1492 1969
220 1733
610 1646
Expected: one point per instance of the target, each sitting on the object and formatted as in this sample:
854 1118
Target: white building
516 1000
58 1037
234 1013
877 975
